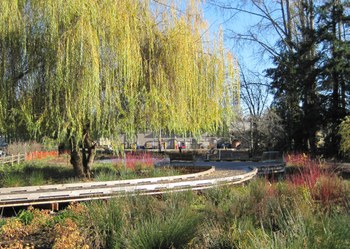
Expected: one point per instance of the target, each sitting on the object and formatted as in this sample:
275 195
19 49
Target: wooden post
12 159
18 158
54 206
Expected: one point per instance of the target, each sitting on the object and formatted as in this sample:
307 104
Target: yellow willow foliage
112 65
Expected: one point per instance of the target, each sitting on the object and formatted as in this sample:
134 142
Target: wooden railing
12 159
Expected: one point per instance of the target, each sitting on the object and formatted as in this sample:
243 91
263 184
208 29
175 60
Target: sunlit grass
57 171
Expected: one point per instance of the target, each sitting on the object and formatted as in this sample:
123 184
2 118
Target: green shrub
25 216
304 232
36 178
103 224
105 176
174 230
13 180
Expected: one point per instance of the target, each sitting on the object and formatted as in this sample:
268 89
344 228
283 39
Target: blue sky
247 54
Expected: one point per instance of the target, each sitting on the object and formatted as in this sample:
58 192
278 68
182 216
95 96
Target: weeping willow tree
75 70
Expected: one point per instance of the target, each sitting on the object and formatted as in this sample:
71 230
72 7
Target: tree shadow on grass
56 174
31 175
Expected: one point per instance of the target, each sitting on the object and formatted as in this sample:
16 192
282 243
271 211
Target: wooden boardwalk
64 193
227 171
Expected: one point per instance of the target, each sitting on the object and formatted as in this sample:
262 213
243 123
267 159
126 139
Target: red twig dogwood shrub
139 161
324 186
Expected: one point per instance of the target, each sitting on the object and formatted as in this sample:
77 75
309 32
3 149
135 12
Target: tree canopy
115 66
80 69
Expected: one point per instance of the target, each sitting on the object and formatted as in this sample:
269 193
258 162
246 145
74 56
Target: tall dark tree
318 72
334 38
294 80
287 99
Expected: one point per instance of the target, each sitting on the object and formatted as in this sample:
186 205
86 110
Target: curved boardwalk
213 174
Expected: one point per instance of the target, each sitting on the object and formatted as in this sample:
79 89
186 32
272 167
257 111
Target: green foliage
264 215
173 230
26 216
162 171
344 132
103 224
12 180
105 176
113 66
34 173
140 222
36 178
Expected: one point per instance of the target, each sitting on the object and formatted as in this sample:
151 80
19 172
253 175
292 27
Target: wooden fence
13 159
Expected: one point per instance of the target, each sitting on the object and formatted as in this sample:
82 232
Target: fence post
12 159
18 158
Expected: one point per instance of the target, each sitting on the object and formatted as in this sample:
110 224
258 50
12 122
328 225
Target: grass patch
174 230
34 173
53 171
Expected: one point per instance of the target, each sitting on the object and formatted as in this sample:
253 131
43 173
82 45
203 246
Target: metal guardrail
12 159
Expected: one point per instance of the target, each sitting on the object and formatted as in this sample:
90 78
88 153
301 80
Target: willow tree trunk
82 157
77 162
89 153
